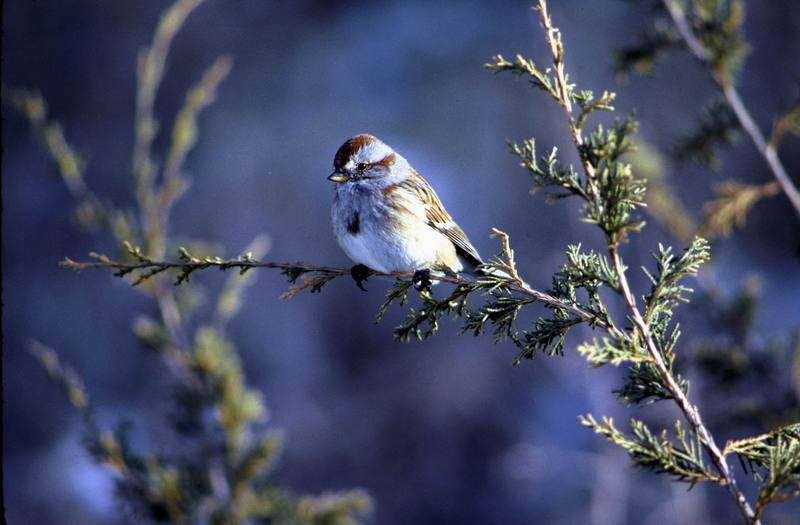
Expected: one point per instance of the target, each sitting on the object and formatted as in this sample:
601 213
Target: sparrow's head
365 158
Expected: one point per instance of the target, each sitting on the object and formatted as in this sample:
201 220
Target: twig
553 36
766 149
314 276
690 411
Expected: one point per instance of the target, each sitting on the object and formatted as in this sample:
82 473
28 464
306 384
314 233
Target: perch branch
313 276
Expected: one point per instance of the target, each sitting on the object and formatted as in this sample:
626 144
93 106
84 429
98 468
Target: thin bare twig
731 94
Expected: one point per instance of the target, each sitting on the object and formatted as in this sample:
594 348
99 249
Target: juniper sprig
611 195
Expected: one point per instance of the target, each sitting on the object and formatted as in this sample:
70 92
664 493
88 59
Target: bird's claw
422 280
360 273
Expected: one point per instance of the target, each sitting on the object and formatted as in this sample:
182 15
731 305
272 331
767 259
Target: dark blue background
445 431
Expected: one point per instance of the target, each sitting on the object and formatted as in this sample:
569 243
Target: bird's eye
361 166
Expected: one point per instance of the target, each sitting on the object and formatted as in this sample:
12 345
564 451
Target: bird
387 217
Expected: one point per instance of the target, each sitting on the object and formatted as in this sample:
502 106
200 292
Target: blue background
444 431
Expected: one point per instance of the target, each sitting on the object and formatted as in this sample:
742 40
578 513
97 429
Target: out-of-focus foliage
716 24
732 203
220 472
737 361
662 199
218 468
789 123
717 126
712 31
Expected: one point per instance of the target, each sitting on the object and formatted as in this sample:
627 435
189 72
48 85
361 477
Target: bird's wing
438 218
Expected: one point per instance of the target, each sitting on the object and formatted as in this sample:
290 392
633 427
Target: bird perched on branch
388 218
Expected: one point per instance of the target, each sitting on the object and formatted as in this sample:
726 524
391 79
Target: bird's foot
360 273
422 280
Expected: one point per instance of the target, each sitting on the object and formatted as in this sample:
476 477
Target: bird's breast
388 238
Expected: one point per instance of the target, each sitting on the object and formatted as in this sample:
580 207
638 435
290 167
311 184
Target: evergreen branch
777 453
313 277
723 80
423 323
397 293
626 192
548 335
690 412
506 264
589 104
588 269
522 66
682 459
547 172
610 190
553 37
613 351
667 290
755 448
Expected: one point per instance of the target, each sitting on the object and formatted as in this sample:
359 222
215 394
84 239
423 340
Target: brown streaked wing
439 219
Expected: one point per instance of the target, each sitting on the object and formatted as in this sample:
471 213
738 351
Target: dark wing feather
439 219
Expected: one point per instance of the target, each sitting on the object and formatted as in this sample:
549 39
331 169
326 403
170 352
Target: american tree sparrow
388 218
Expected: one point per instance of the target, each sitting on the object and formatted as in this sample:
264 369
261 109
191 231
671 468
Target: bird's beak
338 177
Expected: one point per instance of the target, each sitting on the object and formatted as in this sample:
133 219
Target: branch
690 412
313 277
766 149
564 89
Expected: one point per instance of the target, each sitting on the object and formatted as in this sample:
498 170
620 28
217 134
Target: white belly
380 243
407 251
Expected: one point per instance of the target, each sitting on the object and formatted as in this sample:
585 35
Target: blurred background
444 431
